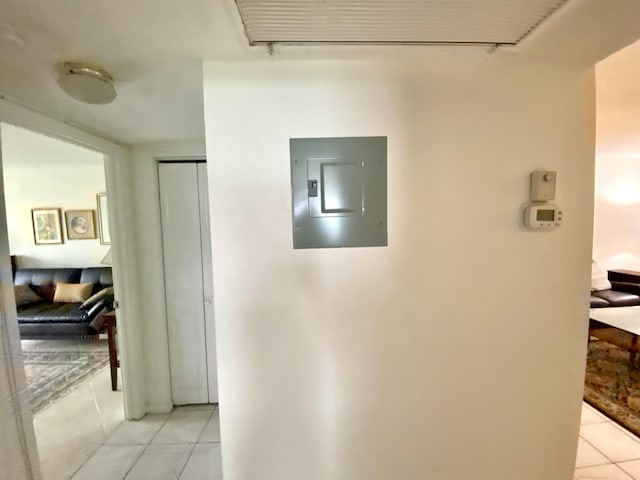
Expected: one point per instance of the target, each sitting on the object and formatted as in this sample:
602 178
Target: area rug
611 386
50 374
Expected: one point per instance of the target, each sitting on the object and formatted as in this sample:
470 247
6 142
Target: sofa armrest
95 309
626 287
105 301
95 327
628 276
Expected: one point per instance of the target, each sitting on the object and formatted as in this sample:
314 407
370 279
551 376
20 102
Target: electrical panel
339 192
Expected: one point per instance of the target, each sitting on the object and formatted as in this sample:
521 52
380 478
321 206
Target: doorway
59 239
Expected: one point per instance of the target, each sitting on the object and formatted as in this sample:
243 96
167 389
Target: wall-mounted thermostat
543 186
542 216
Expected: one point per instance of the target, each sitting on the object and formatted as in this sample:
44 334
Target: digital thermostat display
545 215
542 216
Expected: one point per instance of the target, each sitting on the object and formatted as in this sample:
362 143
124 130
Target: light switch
313 188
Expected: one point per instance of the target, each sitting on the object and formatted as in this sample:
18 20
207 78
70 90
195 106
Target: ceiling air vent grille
451 22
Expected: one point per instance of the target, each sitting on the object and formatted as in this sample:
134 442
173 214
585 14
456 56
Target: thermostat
543 186
542 216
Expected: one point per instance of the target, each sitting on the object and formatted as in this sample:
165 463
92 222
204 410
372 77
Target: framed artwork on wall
47 227
103 219
80 224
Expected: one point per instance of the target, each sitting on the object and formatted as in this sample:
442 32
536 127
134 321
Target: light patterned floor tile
612 441
110 462
161 462
137 432
212 430
602 472
632 468
589 456
591 415
183 427
204 464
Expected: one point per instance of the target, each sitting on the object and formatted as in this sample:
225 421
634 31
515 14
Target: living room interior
612 382
67 365
328 350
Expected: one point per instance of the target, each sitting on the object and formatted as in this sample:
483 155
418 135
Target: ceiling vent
387 22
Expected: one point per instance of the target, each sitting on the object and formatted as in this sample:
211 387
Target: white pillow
599 279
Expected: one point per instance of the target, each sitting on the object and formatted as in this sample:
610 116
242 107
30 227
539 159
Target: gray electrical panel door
339 192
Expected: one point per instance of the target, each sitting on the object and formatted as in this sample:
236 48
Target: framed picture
103 219
80 224
47 228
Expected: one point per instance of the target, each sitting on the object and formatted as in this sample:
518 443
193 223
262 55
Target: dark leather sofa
62 320
624 291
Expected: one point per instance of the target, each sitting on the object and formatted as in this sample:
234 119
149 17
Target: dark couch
62 320
624 291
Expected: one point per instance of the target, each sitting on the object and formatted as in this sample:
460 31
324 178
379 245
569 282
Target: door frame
117 178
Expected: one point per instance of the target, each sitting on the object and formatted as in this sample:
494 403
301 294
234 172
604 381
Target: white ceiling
397 21
152 48
154 51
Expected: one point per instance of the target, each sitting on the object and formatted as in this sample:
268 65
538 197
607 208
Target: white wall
457 351
616 236
41 171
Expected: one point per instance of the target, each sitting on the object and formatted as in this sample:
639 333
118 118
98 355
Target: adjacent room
59 240
612 383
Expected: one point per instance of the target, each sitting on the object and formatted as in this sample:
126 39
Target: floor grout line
191 446
596 449
610 461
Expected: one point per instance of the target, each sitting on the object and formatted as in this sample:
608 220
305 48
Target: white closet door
184 289
207 283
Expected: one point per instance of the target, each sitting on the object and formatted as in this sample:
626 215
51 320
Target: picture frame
103 219
47 226
80 224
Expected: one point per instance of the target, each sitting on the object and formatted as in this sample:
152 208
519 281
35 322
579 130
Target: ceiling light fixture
87 83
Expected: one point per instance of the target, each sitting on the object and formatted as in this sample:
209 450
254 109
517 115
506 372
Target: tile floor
71 429
606 451
184 444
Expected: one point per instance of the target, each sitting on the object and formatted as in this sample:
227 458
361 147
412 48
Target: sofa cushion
616 298
43 280
101 277
53 313
24 295
597 302
72 292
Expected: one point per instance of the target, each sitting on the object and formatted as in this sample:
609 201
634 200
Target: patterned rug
50 374
611 386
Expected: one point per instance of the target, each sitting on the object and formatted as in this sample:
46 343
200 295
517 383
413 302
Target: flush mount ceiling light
87 83
403 22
